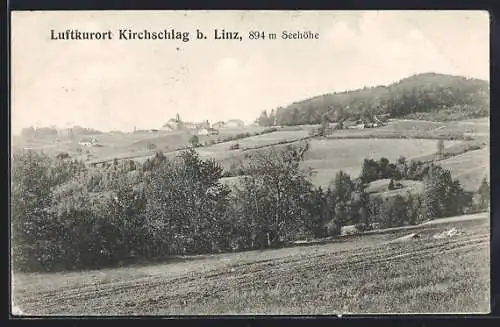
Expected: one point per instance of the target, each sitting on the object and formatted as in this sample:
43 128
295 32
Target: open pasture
327 157
259 140
469 168
407 128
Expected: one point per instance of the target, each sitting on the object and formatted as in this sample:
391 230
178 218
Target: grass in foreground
360 275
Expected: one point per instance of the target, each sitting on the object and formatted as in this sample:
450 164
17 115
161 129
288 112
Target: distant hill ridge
422 96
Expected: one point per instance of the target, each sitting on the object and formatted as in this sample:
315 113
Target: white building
357 125
202 131
85 144
218 125
88 143
191 126
207 131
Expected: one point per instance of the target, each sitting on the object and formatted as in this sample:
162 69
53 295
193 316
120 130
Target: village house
208 131
190 126
88 142
202 131
213 131
204 124
359 124
171 125
218 125
85 143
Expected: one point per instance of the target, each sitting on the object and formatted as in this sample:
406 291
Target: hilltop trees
265 119
420 96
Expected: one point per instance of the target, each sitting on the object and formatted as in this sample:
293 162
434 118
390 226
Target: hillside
424 96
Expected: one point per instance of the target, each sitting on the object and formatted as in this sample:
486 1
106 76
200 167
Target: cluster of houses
89 142
360 124
203 128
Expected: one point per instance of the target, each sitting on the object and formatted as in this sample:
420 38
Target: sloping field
259 140
220 151
128 145
382 185
469 168
360 274
327 157
139 149
412 124
480 125
409 128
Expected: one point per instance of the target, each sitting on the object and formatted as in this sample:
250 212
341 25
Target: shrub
235 146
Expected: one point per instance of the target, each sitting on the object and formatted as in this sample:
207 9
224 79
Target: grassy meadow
469 168
327 157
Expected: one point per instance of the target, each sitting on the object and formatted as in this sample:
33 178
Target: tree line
37 132
66 215
423 96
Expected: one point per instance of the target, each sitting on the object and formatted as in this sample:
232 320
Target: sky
119 85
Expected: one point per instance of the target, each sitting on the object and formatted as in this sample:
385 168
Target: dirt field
360 274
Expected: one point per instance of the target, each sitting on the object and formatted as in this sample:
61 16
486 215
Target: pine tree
440 148
484 195
391 185
195 141
324 125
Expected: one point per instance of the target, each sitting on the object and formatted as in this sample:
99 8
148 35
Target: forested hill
423 96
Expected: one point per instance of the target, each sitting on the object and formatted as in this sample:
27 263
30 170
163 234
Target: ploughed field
437 272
